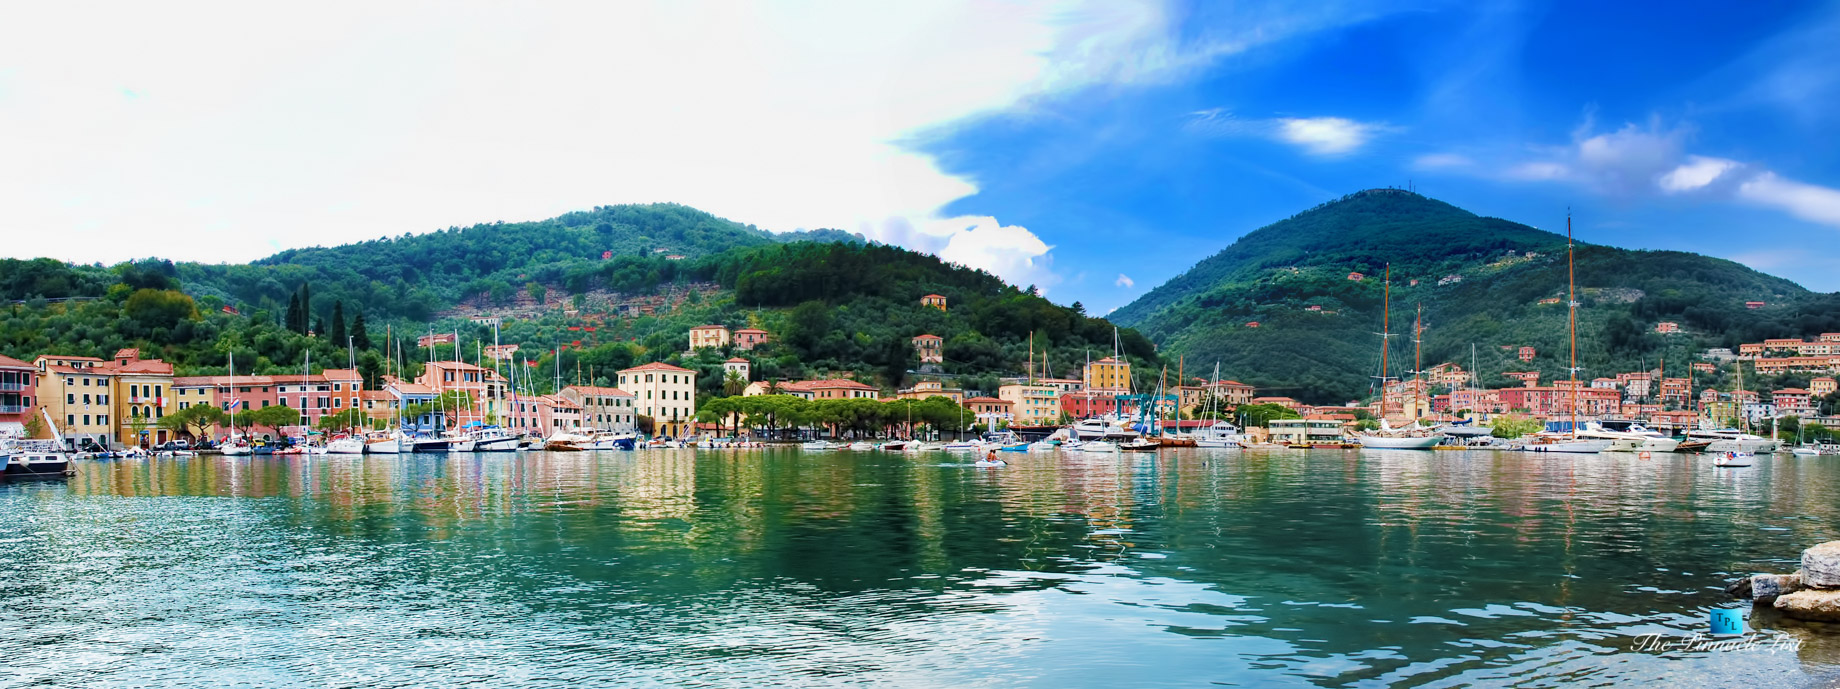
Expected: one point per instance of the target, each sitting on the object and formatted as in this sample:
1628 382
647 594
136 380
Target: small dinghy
1733 459
991 463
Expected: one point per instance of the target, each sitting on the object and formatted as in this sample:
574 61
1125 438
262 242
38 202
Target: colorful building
1108 375
749 338
928 389
737 366
991 411
1821 387
18 387
663 392
1032 405
706 336
934 300
608 409
930 348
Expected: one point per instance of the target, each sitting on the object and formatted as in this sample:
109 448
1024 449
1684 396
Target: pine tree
359 337
338 323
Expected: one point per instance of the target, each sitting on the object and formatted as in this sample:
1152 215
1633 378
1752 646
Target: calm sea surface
753 568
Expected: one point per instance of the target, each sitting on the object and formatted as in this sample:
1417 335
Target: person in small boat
990 456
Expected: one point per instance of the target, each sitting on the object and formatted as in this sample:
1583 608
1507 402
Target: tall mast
1386 332
1418 358
1031 357
1571 298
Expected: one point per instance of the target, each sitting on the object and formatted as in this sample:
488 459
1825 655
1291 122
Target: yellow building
704 336
1108 375
1033 405
141 398
78 392
664 392
934 300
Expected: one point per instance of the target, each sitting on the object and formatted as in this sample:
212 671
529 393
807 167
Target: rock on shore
1817 605
1766 588
1821 566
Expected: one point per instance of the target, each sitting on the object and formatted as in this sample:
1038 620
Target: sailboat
1221 433
234 444
1386 437
1564 442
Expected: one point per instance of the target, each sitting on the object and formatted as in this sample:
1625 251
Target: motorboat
21 459
429 444
1729 440
612 440
1805 451
492 439
894 445
1044 445
345 445
1110 428
818 445
1139 445
861 446
235 446
963 446
1649 440
1101 446
1733 459
991 463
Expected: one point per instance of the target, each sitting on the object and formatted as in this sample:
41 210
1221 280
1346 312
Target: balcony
12 387
12 409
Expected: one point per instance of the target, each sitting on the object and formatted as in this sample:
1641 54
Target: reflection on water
740 568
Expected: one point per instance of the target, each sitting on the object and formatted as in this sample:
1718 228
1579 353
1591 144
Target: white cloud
1325 135
1696 173
1805 201
1647 160
222 131
1124 281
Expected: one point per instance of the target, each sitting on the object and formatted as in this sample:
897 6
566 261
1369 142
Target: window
336 388
159 391
70 419
70 398
86 419
86 382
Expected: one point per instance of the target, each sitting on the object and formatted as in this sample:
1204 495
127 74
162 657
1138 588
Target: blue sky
1512 110
1091 148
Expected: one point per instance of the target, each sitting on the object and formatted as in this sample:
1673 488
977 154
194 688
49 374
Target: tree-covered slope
1480 281
413 276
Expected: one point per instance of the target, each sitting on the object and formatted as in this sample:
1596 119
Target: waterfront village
121 401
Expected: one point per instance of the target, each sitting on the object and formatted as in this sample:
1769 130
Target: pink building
748 338
18 387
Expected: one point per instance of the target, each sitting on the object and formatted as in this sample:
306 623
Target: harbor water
745 568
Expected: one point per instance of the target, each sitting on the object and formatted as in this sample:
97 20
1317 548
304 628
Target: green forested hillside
413 276
1503 270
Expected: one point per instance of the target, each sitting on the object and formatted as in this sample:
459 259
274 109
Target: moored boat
345 445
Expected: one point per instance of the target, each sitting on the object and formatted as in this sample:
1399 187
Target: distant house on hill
1357 277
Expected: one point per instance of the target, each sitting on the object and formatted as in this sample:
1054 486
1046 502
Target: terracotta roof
928 336
736 360
375 395
341 374
412 388
145 367
930 296
66 358
127 353
597 390
658 366
750 330
837 383
10 362
988 400
710 327
560 401
456 365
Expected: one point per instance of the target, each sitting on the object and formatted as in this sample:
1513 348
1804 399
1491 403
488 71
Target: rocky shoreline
1811 593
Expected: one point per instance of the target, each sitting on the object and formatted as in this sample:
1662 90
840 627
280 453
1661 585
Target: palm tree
733 383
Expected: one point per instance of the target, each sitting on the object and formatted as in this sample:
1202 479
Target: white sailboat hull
345 446
1572 446
390 446
1380 442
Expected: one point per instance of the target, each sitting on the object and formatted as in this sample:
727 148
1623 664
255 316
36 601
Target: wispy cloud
1321 136
1124 281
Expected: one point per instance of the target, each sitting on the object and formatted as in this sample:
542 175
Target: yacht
564 441
1103 428
861 446
1553 441
492 439
612 440
1221 434
963 446
235 446
1729 440
429 444
818 445
1388 438
1101 446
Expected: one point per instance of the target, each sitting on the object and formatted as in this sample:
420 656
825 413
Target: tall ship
1413 437
1568 440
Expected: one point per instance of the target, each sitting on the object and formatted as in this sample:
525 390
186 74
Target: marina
1248 567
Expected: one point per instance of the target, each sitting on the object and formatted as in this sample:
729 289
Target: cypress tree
293 313
338 323
361 338
306 308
